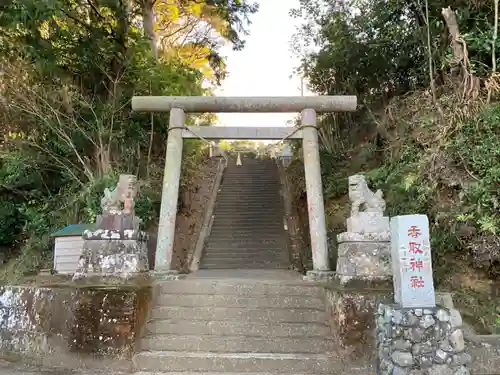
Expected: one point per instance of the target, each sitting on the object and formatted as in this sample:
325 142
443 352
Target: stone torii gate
308 106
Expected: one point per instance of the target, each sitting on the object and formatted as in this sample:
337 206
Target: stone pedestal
424 341
368 222
364 257
119 253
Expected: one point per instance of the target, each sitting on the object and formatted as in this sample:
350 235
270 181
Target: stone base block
368 222
319 275
122 258
363 259
427 341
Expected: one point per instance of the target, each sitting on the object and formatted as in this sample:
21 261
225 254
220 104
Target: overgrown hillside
427 132
68 71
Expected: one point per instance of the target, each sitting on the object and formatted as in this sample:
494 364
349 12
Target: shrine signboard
411 261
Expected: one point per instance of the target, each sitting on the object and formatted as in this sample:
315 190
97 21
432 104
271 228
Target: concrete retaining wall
72 327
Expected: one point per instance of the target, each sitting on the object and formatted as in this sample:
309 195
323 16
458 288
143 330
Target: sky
264 66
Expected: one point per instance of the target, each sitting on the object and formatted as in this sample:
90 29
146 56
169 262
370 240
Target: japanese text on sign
415 264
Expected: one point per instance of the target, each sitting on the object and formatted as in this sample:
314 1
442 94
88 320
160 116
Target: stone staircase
248 228
236 325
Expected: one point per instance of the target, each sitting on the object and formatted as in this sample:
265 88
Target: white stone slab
411 261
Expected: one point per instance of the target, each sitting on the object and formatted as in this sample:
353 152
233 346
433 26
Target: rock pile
415 341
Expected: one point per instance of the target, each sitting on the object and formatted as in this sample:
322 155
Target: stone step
224 234
262 227
275 241
220 300
243 182
268 194
271 231
222 265
236 328
240 314
242 252
262 259
270 191
261 180
245 252
249 208
235 213
248 233
232 344
218 242
226 245
241 217
227 211
232 362
245 200
238 213
251 185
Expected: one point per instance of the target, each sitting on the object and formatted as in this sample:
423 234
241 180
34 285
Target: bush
11 223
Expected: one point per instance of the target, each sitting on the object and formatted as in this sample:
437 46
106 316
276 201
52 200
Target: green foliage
377 49
9 222
433 151
69 70
477 148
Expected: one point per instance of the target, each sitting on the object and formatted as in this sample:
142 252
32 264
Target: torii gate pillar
307 105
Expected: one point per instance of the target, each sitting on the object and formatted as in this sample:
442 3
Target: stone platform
365 257
120 253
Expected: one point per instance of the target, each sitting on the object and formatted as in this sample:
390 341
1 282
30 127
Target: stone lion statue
362 197
124 192
110 203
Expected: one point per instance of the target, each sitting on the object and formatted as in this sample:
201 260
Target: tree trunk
148 19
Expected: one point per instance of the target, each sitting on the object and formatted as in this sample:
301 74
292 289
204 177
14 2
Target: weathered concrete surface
351 313
485 351
244 104
72 327
363 259
124 255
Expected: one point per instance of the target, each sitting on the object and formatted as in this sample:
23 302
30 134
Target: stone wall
351 314
71 327
416 341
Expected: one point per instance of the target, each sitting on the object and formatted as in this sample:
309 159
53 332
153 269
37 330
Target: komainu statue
110 203
124 192
362 198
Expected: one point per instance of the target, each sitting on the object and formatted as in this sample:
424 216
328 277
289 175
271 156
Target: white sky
264 66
